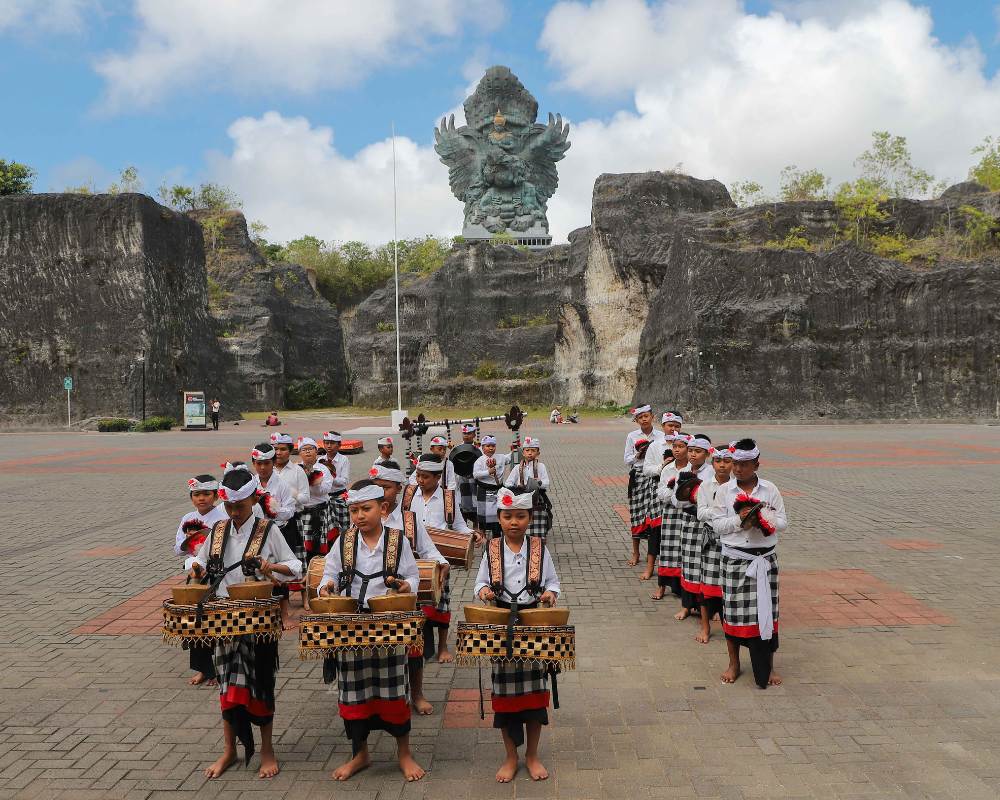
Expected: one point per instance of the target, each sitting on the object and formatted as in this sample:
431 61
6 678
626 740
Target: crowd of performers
711 526
267 517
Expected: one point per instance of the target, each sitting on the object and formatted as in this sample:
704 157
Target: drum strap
408 494
391 549
410 528
533 573
449 506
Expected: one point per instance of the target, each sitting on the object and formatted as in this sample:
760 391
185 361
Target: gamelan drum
314 575
430 581
457 547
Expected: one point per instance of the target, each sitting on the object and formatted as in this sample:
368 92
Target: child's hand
486 594
480 538
445 569
402 587
326 589
265 568
195 571
547 599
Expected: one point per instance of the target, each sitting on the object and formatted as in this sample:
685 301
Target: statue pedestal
534 238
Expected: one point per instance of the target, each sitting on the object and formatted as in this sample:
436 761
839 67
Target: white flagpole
395 269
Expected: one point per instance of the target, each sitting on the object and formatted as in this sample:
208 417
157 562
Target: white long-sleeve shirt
430 512
710 499
319 492
654 436
448 473
217 514
536 469
281 499
424 545
369 562
296 480
515 571
342 479
727 522
664 492
652 463
275 550
481 472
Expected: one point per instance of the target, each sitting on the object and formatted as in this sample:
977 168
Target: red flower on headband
507 500
222 493
732 449
255 453
373 471
192 482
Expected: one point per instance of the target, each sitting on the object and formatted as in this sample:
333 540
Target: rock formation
89 283
270 318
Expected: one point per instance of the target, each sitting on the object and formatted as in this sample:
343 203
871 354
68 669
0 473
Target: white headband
641 410
531 441
262 455
364 494
744 455
506 499
670 416
468 429
245 491
430 466
329 436
229 467
700 441
487 439
380 472
194 485
439 441
305 441
721 452
280 438
384 441
687 438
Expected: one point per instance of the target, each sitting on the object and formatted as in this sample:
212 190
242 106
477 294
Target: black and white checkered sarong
541 517
363 678
514 680
711 562
739 609
314 530
691 548
671 529
466 496
640 488
338 515
236 666
486 507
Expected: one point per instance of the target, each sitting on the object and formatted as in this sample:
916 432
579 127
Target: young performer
439 447
657 454
434 507
531 468
518 568
488 473
384 450
749 522
295 479
191 532
368 560
710 497
280 506
317 534
467 485
245 667
390 477
684 498
639 486
340 472
668 567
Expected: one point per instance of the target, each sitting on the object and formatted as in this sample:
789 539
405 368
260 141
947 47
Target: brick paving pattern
889 638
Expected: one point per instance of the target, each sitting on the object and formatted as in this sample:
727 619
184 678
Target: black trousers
215 420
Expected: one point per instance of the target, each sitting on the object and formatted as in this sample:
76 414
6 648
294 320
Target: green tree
128 181
207 197
859 206
15 178
747 193
986 172
888 165
807 184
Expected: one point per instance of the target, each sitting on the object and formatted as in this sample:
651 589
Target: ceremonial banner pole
397 418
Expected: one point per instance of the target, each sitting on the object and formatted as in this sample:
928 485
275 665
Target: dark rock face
481 329
270 318
89 283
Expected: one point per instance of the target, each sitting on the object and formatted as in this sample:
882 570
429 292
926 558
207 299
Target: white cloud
49 16
733 95
290 175
260 45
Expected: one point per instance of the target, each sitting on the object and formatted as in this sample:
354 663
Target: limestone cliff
89 282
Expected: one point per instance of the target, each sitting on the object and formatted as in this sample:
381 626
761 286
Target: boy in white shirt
488 472
295 479
709 498
340 474
639 486
315 525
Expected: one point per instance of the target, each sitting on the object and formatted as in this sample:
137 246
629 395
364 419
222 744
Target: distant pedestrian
216 405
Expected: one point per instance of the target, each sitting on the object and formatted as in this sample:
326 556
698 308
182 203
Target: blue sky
58 119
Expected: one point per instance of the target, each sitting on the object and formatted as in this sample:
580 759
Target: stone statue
502 164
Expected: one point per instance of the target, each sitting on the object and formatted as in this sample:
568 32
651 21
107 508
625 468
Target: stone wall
89 283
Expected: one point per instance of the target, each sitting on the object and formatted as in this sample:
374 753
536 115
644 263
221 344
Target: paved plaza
889 633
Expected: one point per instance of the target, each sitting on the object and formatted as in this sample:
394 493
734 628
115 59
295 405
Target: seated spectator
272 420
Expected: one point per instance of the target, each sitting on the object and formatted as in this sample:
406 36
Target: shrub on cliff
15 178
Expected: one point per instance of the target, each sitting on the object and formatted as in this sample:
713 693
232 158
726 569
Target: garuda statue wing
458 149
547 144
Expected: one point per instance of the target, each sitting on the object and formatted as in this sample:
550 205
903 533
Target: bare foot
703 636
197 679
658 594
445 657
507 771
211 682
412 771
774 680
731 674
632 561
226 760
536 769
361 761
684 613
646 574
268 765
422 706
